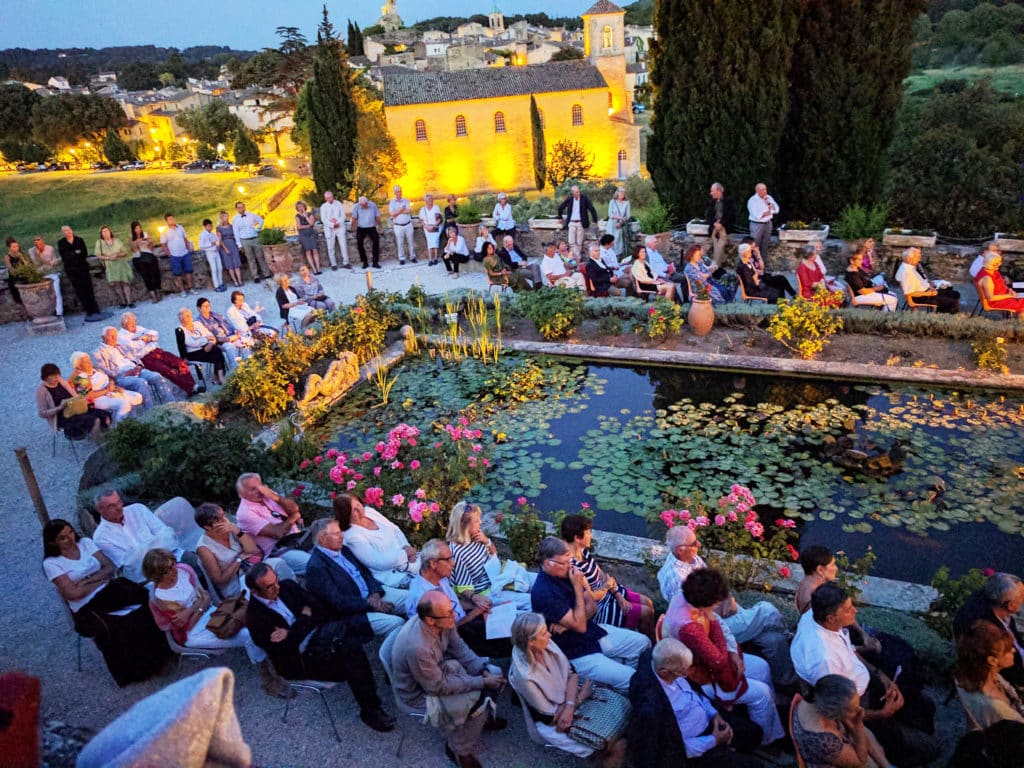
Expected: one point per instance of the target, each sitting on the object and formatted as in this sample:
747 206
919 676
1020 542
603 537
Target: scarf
544 681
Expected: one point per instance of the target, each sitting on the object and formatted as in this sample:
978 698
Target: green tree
850 59
211 123
355 39
568 160
16 104
60 121
567 54
719 74
205 152
331 114
540 166
378 161
245 150
114 148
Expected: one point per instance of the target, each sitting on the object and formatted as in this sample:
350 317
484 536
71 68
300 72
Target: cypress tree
115 149
331 114
719 75
846 87
540 166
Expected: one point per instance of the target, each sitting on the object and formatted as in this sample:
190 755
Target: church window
460 125
499 122
577 114
421 131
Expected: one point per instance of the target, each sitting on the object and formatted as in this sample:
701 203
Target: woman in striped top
616 605
471 552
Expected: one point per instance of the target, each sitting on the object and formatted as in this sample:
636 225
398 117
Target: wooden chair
854 305
800 762
748 299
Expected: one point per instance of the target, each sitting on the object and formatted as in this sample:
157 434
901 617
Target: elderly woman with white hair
200 344
619 214
750 279
294 309
99 390
992 287
310 289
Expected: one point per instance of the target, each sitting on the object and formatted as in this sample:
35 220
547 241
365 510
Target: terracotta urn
701 318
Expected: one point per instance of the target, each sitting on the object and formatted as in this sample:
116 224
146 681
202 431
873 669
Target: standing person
73 253
577 213
117 264
721 218
12 259
430 216
504 222
400 211
332 214
229 256
246 227
179 248
305 223
618 220
451 213
46 258
366 220
762 208
455 252
144 261
209 244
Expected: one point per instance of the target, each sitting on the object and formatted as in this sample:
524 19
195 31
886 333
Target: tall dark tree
719 73
540 164
16 103
354 39
245 149
331 113
60 121
115 149
846 86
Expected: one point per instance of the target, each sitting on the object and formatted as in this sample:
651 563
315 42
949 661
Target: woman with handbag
98 389
57 402
568 714
727 676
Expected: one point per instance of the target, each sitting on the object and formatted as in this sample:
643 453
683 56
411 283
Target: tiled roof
602 6
402 88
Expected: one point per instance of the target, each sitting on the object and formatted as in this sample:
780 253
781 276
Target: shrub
272 236
952 594
556 312
663 319
655 219
856 222
523 531
803 326
640 192
470 212
990 354
26 273
609 325
849 575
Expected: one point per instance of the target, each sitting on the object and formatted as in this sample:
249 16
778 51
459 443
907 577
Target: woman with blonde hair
117 263
475 563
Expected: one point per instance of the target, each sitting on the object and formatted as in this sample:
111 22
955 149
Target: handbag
229 618
75 406
600 719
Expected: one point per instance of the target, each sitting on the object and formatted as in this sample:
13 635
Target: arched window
460 125
577 114
611 103
499 122
421 131
606 37
622 163
540 114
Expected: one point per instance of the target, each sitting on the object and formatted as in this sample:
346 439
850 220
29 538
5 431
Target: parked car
101 166
222 165
270 170
198 165
136 165
638 108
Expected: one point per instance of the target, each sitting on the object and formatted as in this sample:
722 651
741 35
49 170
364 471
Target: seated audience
979 262
662 268
751 279
233 344
865 292
673 723
777 281
126 534
870 263
760 625
272 520
141 343
305 642
557 272
992 286
903 724
245 319
293 307
610 258
552 690
647 280
484 237
470 614
997 602
727 676
430 660
129 372
517 262
378 544
103 606
53 396
346 586
99 390
310 289
455 252
982 654
601 277
200 345
476 562
811 277
828 728
499 273
603 653
915 287
699 273
616 604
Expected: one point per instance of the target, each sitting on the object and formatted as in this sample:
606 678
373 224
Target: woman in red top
991 285
810 277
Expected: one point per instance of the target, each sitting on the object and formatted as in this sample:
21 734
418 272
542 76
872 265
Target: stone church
469 131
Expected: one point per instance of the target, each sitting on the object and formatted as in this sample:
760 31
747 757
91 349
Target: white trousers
884 300
616 664
759 698
56 289
200 637
216 269
403 241
331 235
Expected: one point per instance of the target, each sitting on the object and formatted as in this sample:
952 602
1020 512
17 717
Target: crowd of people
709 682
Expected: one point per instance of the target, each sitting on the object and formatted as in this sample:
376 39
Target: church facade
470 131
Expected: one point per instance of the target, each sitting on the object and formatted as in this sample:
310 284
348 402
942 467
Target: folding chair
747 299
201 368
315 686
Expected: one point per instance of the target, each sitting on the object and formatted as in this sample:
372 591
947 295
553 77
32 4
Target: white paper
499 620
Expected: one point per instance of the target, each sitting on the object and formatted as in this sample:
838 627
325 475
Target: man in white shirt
400 211
179 248
332 214
130 372
555 272
608 257
246 227
504 222
126 534
141 344
518 263
761 208
655 260
46 258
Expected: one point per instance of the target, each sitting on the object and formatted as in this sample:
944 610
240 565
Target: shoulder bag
600 719
229 618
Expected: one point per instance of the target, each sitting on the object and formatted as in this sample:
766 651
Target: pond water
923 478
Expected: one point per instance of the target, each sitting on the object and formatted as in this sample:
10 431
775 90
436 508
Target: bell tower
604 46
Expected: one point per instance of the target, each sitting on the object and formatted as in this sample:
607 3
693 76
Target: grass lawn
1008 79
42 202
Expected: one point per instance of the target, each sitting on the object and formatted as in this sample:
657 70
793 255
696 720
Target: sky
239 24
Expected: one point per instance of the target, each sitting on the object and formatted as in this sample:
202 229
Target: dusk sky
241 24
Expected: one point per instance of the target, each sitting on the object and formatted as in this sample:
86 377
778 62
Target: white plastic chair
180 516
315 686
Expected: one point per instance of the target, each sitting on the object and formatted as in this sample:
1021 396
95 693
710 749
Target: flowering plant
411 478
736 541
523 530
663 319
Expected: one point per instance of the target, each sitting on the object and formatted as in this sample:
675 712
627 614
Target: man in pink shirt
263 515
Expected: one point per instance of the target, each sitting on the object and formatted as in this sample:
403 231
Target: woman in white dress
432 220
618 220
99 390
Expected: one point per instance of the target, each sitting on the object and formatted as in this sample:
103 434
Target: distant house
58 84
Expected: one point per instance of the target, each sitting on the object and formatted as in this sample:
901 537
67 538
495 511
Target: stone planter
279 258
538 224
39 299
698 228
902 238
803 235
1009 242
470 232
701 317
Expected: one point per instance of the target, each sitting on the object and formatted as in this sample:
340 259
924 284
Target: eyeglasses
443 559
448 615
566 563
